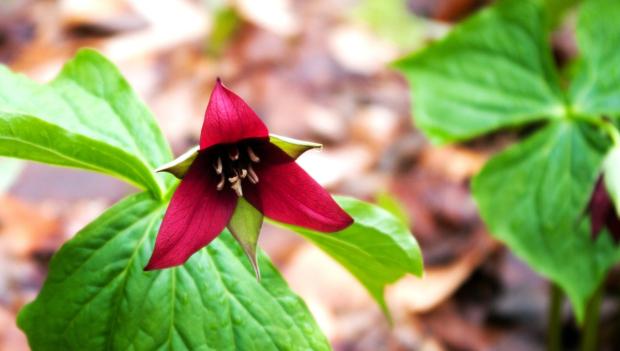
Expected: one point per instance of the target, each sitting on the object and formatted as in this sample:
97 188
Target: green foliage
557 9
378 249
492 71
88 101
391 204
97 297
544 184
495 71
31 138
595 89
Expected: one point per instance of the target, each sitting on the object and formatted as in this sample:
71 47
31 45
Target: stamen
252 155
244 173
233 153
235 177
236 186
218 166
252 176
220 185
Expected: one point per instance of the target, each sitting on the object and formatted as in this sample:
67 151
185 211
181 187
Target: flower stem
607 126
590 328
554 336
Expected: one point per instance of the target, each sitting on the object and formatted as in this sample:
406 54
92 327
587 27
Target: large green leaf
34 139
378 249
97 297
492 71
595 88
532 197
90 98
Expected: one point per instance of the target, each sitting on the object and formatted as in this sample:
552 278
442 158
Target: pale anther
252 176
218 166
244 173
220 185
236 186
252 155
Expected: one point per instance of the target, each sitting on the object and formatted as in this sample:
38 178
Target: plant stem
590 327
554 336
606 126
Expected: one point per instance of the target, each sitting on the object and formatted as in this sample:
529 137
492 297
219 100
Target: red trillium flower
603 213
238 174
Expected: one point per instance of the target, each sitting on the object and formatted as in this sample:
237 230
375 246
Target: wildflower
239 173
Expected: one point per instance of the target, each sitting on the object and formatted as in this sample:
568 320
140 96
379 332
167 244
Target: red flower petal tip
229 120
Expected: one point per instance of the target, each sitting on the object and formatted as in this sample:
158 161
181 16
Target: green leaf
557 10
378 249
245 225
533 196
34 139
595 88
97 296
90 98
492 71
391 204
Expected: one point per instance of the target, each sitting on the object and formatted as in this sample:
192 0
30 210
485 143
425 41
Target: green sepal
179 166
245 227
293 147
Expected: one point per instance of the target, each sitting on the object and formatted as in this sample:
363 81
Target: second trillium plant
237 175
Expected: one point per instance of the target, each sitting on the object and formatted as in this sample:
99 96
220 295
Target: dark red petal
613 225
228 119
196 215
286 193
600 206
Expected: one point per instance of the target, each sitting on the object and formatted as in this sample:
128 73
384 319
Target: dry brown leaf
439 283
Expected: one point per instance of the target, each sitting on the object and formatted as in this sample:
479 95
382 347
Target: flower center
233 164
